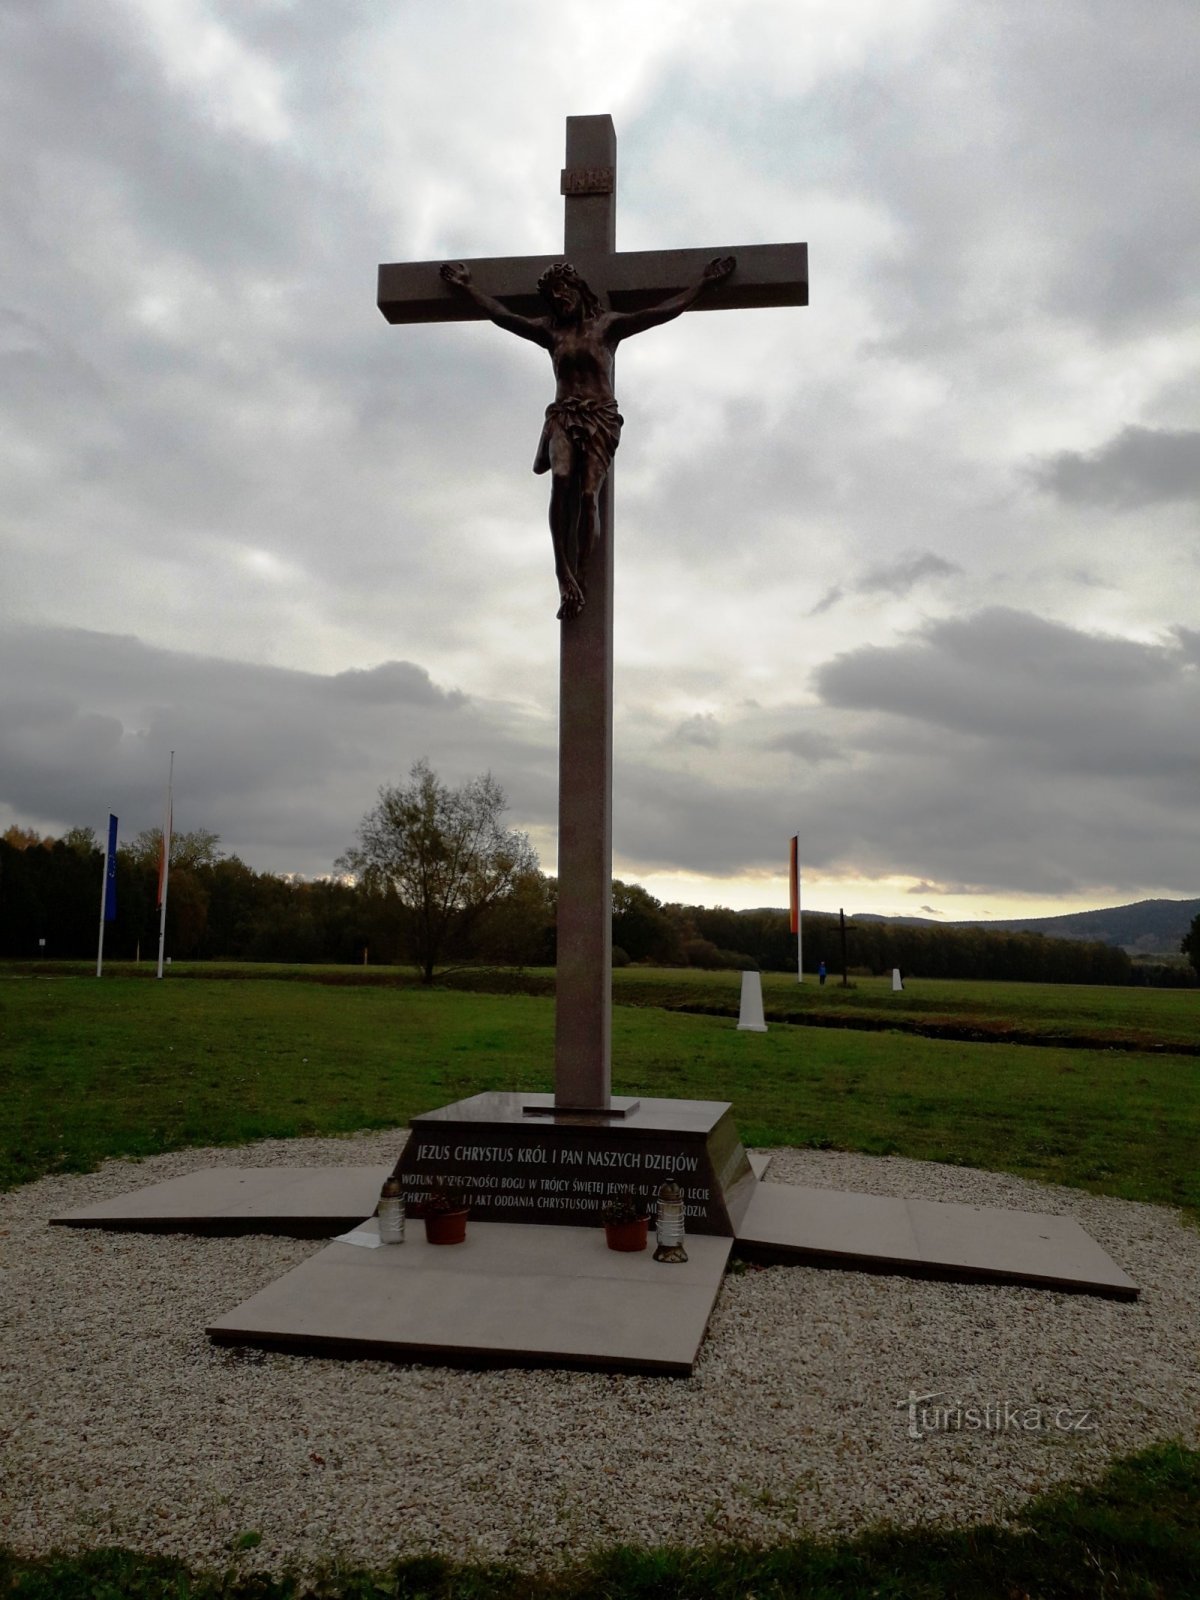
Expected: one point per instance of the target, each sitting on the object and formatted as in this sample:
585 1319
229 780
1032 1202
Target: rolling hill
1145 927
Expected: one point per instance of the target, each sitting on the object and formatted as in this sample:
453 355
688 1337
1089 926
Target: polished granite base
554 1294
520 1158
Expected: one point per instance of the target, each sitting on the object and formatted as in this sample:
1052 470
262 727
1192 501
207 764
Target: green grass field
1154 1017
123 1067
1147 1018
91 1069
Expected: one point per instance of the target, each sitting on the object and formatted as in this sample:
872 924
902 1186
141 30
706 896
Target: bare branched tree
443 853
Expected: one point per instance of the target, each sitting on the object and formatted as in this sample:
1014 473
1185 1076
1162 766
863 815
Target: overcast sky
913 572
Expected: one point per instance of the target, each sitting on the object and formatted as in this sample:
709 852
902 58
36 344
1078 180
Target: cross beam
765 275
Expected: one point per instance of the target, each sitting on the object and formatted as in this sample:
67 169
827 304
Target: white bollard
752 1007
897 982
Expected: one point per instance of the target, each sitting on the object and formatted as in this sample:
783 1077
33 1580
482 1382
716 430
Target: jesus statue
583 426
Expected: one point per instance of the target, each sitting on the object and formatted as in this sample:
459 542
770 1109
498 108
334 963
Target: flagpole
103 909
165 868
794 903
108 889
799 929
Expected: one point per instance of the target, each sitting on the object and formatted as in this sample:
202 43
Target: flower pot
626 1235
446 1227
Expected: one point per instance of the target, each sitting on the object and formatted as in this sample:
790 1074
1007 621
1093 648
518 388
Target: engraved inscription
533 1178
587 180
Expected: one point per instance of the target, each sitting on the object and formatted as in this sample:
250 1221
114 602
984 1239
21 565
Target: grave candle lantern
390 1212
668 1224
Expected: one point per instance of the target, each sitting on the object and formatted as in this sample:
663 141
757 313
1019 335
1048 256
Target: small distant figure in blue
821 973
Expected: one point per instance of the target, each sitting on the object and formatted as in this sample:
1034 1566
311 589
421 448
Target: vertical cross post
633 282
583 1012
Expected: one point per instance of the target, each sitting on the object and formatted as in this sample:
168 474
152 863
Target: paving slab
927 1238
299 1202
1019 1246
781 1222
511 1295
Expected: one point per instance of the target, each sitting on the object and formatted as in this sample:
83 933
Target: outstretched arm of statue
459 279
624 323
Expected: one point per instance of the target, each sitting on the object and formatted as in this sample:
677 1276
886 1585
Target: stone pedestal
562 1167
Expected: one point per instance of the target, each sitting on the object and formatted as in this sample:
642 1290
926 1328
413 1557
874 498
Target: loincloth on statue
593 427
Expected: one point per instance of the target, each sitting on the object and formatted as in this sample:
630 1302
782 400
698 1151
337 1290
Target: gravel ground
119 1423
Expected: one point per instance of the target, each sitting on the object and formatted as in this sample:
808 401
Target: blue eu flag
110 882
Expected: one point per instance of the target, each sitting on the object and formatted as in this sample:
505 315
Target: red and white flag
165 853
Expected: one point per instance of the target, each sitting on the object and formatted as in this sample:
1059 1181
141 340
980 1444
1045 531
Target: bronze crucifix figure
583 426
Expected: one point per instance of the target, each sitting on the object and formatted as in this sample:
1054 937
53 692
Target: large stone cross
765 275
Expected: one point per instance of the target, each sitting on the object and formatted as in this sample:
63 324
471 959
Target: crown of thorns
564 272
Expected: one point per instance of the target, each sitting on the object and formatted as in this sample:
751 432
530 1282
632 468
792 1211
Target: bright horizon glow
885 897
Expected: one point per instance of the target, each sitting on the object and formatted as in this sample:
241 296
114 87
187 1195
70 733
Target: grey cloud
933 911
900 577
1138 467
827 601
897 578
201 423
966 819
1070 746
1000 671
944 889
807 746
968 239
110 128
668 819
1002 752
394 683
705 493
1000 138
282 764
702 729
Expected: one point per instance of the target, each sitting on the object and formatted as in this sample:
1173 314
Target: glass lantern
390 1212
668 1224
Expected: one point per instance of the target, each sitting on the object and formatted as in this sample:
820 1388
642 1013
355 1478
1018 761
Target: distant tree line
435 878
218 908
1191 945
717 937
